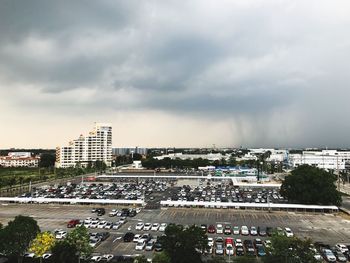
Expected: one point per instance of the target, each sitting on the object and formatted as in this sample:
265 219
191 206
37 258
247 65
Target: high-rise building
97 146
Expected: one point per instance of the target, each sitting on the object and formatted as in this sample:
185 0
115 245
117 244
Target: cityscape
174 132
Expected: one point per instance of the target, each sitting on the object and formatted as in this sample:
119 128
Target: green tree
47 160
289 250
184 245
245 259
311 185
140 259
79 238
17 235
161 258
63 251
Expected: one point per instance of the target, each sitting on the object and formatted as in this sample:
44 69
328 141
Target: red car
73 223
211 229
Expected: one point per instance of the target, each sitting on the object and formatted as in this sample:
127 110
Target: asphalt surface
328 228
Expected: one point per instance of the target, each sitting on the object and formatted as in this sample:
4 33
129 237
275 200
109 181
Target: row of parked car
101 223
129 190
221 192
237 247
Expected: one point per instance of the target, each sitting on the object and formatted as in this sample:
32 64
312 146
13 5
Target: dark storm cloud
234 59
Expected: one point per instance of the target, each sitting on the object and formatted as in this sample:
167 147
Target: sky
170 73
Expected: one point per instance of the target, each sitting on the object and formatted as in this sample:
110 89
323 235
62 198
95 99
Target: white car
113 212
136 238
147 226
140 245
102 224
93 225
108 225
60 234
342 248
107 257
210 241
288 232
219 229
253 231
46 255
150 245
163 227
235 230
116 225
96 258
139 226
328 254
229 249
155 227
244 231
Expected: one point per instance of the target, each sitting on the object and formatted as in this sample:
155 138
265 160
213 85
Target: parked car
128 237
139 226
229 246
211 229
73 223
235 230
150 245
147 227
227 230
162 227
244 231
253 231
140 245
219 229
328 255
288 232
155 227
249 248
262 231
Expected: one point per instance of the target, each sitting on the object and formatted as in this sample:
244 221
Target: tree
47 160
289 250
245 259
184 245
79 238
16 236
161 258
311 185
140 259
63 251
42 243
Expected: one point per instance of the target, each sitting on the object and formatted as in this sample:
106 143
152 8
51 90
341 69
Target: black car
239 251
269 231
158 247
128 237
100 211
132 213
249 248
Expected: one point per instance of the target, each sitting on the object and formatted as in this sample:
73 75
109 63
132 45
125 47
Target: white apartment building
19 159
97 146
325 159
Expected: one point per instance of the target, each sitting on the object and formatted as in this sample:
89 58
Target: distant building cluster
85 150
325 159
209 156
129 150
19 159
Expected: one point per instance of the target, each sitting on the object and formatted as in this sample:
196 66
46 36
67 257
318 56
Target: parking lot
327 228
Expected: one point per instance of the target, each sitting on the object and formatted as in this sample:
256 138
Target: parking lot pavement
327 228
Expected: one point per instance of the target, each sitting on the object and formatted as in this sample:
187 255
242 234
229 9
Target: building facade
325 159
85 150
19 159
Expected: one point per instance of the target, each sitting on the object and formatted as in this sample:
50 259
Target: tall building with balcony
85 150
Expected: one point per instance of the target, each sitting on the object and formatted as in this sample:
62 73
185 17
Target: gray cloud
245 62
